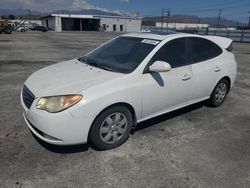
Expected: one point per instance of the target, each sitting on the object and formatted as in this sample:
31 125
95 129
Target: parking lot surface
196 146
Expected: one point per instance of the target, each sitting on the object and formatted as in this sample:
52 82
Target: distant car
39 28
145 30
22 29
102 95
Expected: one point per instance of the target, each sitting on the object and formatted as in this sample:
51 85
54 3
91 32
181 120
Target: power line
214 9
199 7
234 14
225 7
217 5
229 6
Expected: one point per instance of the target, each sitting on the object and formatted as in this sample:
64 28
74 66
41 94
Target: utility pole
29 17
168 16
164 12
219 17
137 14
162 16
249 21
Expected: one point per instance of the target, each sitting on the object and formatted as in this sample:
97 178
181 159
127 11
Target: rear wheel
111 128
219 93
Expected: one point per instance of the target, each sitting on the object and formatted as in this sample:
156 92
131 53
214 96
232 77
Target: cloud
52 5
124 1
48 5
81 4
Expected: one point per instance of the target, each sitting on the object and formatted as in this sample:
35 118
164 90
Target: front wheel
219 93
111 128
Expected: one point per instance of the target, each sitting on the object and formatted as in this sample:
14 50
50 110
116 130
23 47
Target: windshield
122 54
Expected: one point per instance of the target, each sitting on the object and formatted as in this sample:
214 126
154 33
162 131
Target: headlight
57 103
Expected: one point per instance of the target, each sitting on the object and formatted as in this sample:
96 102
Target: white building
26 22
182 26
73 22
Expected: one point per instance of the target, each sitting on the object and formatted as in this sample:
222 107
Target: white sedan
101 96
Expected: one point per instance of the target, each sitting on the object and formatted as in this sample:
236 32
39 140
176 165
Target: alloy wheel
220 92
113 128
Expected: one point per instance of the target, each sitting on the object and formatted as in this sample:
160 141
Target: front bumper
40 134
57 128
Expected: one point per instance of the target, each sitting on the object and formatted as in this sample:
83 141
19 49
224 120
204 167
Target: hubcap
220 92
113 128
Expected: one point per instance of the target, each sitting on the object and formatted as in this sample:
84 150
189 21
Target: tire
219 93
7 30
111 128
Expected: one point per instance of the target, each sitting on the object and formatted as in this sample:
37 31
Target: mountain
150 21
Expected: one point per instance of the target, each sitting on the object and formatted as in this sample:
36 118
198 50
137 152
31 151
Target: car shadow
140 126
151 122
62 149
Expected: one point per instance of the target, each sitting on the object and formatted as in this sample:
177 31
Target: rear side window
202 49
174 52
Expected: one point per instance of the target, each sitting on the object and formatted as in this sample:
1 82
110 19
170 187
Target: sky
238 10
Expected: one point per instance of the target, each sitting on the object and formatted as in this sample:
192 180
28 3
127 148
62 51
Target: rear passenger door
204 58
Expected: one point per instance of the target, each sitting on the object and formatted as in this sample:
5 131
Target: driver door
164 91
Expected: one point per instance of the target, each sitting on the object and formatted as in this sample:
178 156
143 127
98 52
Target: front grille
28 97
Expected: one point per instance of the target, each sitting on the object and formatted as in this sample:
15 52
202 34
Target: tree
12 17
3 17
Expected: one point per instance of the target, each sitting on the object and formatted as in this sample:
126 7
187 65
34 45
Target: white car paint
22 28
101 89
221 41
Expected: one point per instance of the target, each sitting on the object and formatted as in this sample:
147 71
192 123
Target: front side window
123 54
202 49
174 52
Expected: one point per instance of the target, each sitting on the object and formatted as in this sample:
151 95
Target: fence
235 35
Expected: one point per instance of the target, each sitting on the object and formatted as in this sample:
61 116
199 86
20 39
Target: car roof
223 42
154 35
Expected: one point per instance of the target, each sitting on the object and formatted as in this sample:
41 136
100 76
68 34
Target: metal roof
87 16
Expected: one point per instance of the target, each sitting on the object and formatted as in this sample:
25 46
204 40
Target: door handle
217 69
186 77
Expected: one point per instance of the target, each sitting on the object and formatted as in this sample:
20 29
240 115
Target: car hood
69 77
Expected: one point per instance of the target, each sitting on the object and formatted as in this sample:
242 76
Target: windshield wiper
82 59
93 63
105 67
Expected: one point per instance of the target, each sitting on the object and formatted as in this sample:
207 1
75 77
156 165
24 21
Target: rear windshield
122 54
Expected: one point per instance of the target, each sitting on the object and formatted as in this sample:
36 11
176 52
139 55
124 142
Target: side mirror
160 66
